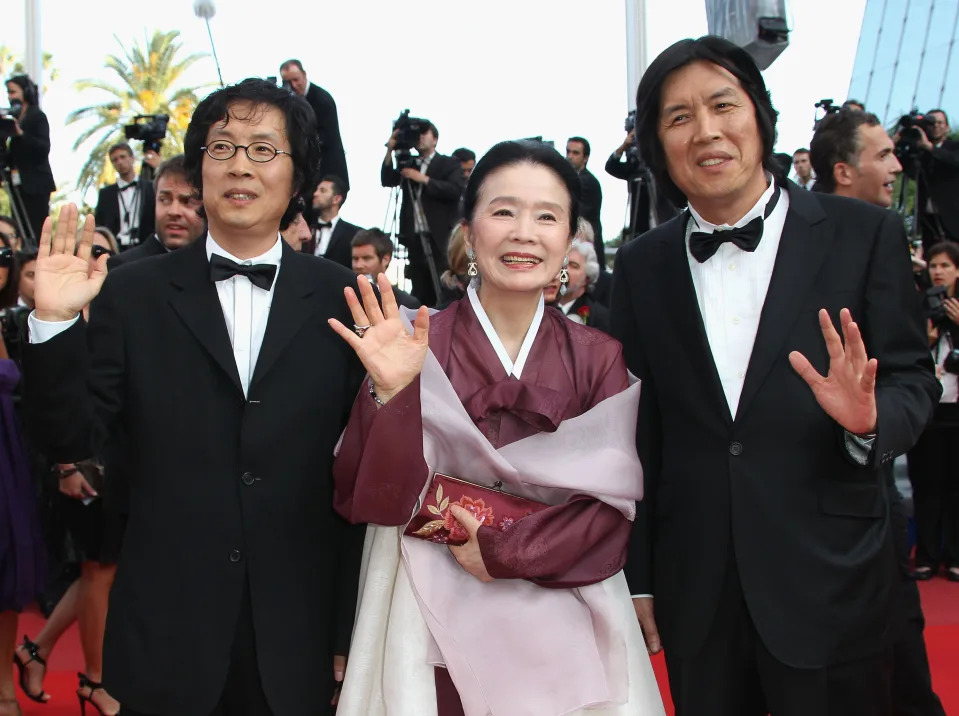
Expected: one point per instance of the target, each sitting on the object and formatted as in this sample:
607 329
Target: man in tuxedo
436 181
178 221
764 533
372 254
126 207
331 234
938 172
577 154
236 583
333 158
855 157
802 164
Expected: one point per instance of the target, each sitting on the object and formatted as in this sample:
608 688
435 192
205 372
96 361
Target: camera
11 319
824 108
7 117
909 126
149 129
408 130
632 152
934 304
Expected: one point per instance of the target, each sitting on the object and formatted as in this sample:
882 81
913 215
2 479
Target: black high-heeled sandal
34 651
87 683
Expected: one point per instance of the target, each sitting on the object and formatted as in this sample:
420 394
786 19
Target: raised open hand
64 281
848 392
391 356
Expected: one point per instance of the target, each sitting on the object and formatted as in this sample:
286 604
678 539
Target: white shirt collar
758 210
511 368
272 256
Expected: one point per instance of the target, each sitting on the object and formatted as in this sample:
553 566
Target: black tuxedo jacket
591 204
150 246
940 181
340 249
30 154
773 488
107 212
333 158
225 489
598 313
440 199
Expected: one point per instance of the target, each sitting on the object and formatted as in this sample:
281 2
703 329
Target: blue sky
481 71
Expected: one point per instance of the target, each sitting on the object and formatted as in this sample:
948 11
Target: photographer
624 164
938 180
29 151
437 182
935 483
127 207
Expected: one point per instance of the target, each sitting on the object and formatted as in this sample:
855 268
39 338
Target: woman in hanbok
530 616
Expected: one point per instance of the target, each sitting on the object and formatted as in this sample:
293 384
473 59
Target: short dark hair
716 51
464 154
339 186
801 150
511 153
9 220
174 166
292 63
949 248
837 140
379 240
300 128
431 128
940 111
849 102
582 141
120 145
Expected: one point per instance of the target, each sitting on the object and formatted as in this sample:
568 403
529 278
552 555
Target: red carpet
940 601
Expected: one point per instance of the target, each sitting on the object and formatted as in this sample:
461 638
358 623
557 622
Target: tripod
17 208
421 229
910 219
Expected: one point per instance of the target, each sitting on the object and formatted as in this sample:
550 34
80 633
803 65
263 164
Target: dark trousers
243 693
912 693
418 269
935 494
37 207
735 675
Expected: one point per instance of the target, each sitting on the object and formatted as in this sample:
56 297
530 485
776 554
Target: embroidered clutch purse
490 505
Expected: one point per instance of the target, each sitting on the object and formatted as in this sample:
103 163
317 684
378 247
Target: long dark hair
30 94
717 51
300 128
523 152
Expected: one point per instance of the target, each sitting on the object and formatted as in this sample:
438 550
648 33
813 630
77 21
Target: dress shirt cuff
859 447
641 596
43 331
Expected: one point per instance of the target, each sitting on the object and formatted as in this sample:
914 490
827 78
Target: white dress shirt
511 367
246 309
731 288
323 237
129 201
950 381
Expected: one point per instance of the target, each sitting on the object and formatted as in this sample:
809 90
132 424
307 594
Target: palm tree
148 78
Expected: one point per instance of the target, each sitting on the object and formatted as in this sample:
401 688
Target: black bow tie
260 275
327 225
126 186
702 245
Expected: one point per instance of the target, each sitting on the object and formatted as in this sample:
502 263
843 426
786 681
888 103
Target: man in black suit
372 254
126 207
178 222
331 234
437 182
764 533
236 583
333 158
854 157
938 173
591 203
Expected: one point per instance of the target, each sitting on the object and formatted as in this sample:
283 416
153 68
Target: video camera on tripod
8 116
408 130
908 128
149 129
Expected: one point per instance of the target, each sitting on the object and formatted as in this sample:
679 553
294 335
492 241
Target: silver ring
361 330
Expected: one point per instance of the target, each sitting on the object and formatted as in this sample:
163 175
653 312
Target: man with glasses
236 584
938 182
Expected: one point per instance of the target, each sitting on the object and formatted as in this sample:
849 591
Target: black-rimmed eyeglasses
261 152
6 257
98 251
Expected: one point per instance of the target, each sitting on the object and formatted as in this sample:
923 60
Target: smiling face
711 141
242 197
577 277
520 229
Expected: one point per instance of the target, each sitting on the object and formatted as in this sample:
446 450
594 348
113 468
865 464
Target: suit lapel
335 237
680 300
196 302
802 250
290 309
